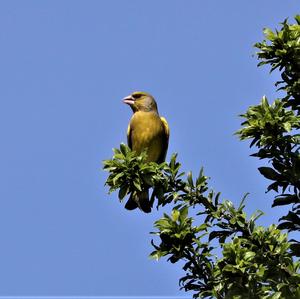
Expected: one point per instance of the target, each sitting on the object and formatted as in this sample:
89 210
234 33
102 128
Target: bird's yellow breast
146 132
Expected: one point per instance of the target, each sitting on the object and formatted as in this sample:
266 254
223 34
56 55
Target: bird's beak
129 100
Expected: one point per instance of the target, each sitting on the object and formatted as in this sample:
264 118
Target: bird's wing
129 142
165 140
166 127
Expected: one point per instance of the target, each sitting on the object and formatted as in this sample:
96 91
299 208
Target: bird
147 130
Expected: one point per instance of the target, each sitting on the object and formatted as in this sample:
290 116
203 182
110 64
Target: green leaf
123 191
261 271
249 255
218 234
117 177
137 185
190 179
123 149
285 200
184 213
175 215
269 173
287 126
269 34
276 295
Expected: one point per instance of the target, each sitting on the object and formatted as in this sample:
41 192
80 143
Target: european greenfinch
146 131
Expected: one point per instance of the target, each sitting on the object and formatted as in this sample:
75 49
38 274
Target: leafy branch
246 264
273 128
224 253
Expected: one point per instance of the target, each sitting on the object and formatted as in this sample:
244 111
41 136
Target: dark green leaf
285 200
269 173
123 191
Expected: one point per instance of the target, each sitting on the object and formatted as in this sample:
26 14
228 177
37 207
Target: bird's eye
136 95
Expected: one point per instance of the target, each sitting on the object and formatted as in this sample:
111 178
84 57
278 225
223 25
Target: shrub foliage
225 254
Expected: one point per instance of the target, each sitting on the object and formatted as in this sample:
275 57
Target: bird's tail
139 200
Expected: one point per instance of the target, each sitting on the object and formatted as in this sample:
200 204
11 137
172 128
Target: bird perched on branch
146 131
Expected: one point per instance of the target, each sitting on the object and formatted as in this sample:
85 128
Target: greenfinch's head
141 101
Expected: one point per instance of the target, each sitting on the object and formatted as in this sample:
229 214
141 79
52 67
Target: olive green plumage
146 130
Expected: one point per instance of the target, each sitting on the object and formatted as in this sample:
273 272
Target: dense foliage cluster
273 128
251 261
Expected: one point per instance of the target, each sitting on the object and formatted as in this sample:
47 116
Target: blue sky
64 68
